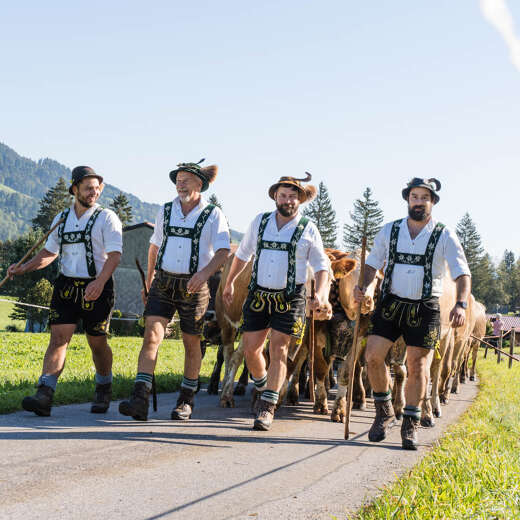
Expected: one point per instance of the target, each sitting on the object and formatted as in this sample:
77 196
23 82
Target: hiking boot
409 432
385 418
137 406
41 402
102 398
255 401
185 405
264 416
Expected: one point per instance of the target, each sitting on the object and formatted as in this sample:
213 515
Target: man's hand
94 290
13 271
228 294
144 297
457 316
196 282
315 303
359 293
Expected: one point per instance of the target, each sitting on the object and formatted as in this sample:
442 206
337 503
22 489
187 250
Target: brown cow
479 331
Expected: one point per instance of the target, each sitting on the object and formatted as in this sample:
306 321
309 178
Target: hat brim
205 183
406 192
84 177
305 193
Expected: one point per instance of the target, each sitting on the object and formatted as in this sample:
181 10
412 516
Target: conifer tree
213 200
470 241
55 200
38 294
321 213
367 218
509 275
122 208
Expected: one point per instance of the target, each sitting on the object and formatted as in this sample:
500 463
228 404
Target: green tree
509 276
367 218
490 291
55 200
122 208
213 200
38 294
321 213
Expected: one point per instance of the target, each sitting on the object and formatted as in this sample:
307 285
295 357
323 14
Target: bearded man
283 244
414 251
189 244
89 244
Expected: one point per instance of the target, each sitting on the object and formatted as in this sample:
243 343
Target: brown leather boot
185 405
137 406
41 402
264 416
255 401
102 398
385 418
409 432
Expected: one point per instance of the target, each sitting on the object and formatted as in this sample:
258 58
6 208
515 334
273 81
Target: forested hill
23 182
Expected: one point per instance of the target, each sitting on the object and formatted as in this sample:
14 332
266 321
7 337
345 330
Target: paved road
78 465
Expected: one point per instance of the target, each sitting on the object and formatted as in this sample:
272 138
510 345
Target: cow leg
293 390
474 355
215 375
226 396
339 409
358 389
332 379
240 389
321 369
398 389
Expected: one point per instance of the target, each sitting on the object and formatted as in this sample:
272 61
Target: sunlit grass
21 358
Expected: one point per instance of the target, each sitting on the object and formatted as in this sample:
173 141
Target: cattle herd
449 368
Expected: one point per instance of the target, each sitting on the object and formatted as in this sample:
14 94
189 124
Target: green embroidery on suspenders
193 234
80 237
425 260
290 247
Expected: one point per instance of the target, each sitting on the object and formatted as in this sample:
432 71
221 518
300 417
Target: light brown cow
479 331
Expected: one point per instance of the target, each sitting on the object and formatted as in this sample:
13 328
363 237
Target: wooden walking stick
311 344
354 350
33 248
143 280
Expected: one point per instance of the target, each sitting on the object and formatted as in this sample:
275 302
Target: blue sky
358 93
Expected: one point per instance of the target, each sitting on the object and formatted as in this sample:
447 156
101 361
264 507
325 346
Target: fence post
486 349
512 340
500 341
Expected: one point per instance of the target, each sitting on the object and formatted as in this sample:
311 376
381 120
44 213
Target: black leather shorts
418 321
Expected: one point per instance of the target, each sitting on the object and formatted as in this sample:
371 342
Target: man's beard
418 213
285 210
84 203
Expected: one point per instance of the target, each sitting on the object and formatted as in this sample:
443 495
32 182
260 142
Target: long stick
496 348
311 344
354 350
33 248
143 280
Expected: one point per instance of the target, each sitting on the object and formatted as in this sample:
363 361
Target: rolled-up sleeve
318 260
53 243
113 233
247 245
455 256
377 256
220 231
157 236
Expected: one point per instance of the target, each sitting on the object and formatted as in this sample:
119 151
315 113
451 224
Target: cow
479 331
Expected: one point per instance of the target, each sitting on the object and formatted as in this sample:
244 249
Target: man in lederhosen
190 242
89 244
283 243
414 251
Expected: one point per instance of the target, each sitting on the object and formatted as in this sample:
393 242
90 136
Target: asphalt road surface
78 465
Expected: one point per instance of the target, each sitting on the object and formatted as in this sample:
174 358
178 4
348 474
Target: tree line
496 286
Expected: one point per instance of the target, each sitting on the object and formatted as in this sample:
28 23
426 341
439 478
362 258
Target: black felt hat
207 175
430 184
79 173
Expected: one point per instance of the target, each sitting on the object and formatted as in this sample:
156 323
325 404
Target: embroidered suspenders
182 232
290 247
80 237
425 260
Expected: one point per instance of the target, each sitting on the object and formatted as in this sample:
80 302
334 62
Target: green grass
474 472
21 357
5 310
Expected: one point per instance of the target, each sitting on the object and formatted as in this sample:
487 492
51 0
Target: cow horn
307 179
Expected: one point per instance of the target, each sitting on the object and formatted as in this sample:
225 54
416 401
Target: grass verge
6 309
21 358
474 472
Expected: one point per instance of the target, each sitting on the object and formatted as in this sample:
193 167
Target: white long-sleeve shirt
407 280
106 234
272 264
214 236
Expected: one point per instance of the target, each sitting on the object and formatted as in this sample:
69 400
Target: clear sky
359 93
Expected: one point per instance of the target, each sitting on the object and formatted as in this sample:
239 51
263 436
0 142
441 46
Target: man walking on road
415 251
283 243
190 242
89 245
